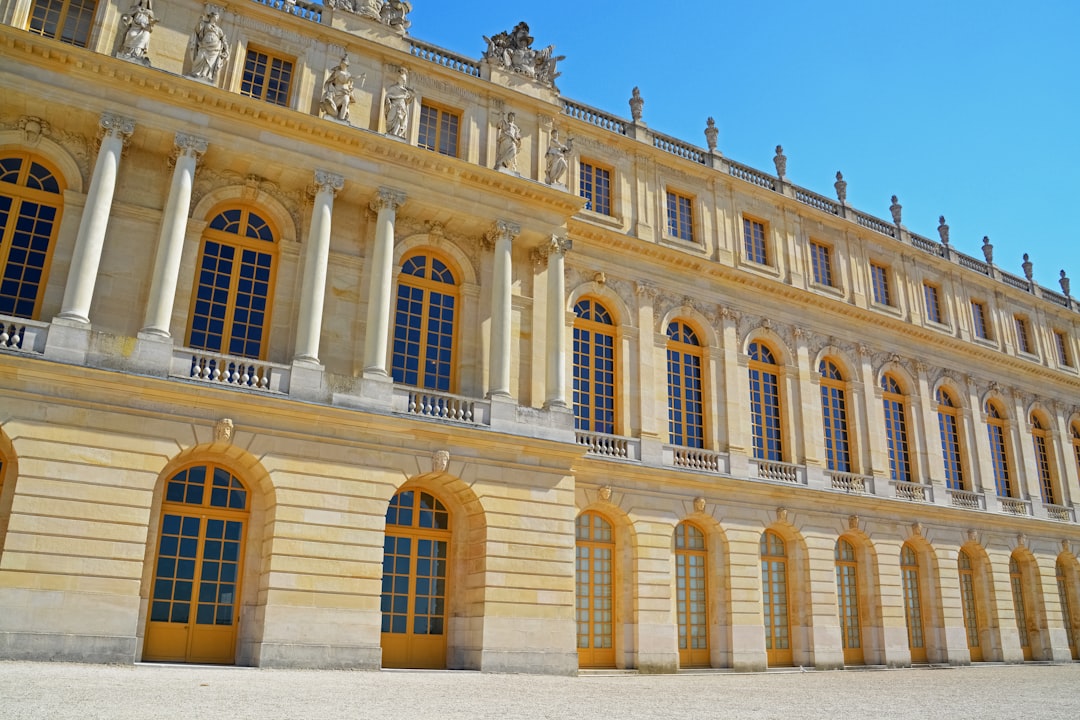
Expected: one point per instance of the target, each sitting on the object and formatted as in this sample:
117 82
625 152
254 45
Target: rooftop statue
388 12
140 21
513 51
209 47
393 13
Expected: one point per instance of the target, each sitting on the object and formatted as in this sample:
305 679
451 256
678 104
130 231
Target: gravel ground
57 691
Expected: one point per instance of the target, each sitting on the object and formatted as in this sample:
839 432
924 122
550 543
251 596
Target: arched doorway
595 550
692 595
969 602
416 555
914 605
774 597
195 596
847 597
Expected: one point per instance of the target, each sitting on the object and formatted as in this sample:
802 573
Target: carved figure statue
209 46
637 103
556 158
338 91
711 134
841 188
1028 267
1064 282
398 97
507 143
896 209
943 230
988 249
780 161
140 21
513 51
393 13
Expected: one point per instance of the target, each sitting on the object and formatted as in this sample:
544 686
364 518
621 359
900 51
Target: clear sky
961 108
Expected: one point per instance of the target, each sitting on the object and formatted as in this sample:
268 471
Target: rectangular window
439 130
595 186
754 241
680 216
1023 338
267 77
879 275
978 320
69 21
1062 343
933 303
821 263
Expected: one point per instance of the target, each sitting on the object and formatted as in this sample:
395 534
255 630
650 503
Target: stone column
91 236
171 240
376 340
503 235
313 293
556 322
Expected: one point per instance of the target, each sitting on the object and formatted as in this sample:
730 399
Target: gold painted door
416 553
847 598
691 596
595 591
913 604
195 597
970 607
1016 581
774 597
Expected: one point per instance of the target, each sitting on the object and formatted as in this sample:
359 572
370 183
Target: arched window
416 556
970 605
913 603
995 428
775 599
1020 605
1040 435
231 308
847 598
896 431
692 595
195 598
949 425
766 429
595 550
69 21
424 324
1075 432
31 201
686 411
1068 608
834 417
594 368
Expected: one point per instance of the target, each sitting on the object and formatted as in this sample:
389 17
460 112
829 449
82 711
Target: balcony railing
609 446
441 406
851 482
915 492
1014 506
230 370
589 114
1060 513
750 175
695 459
778 471
23 335
967 499
305 10
678 148
449 60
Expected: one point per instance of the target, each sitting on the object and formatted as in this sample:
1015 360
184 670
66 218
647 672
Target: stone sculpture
637 103
711 134
896 208
140 21
556 158
507 143
209 47
780 161
393 13
988 249
841 188
338 92
398 97
513 51
1064 282
943 230
1028 268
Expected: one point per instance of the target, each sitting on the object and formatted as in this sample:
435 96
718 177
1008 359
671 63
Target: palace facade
321 346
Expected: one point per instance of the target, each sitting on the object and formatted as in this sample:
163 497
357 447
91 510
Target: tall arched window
686 410
195 598
847 598
1074 430
69 21
896 431
775 599
595 550
1069 609
1040 435
913 603
999 455
692 595
970 605
416 557
834 417
949 425
594 368
31 200
766 430
231 308
1020 605
424 326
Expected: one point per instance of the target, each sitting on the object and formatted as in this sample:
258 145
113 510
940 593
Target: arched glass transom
30 208
595 579
913 603
594 368
686 410
424 324
765 418
834 417
847 598
896 430
692 595
775 599
969 604
949 427
999 456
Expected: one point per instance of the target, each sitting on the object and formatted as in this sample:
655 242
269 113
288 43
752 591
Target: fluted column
171 241
95 219
555 358
503 235
313 292
385 204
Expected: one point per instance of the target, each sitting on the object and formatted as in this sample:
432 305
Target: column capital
189 145
116 125
325 180
387 199
554 246
501 229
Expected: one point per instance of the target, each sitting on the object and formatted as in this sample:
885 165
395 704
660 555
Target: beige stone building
406 360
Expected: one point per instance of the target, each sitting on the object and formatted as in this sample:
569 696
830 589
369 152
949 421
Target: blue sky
962 108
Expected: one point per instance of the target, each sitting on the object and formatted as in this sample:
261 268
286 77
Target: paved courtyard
58 691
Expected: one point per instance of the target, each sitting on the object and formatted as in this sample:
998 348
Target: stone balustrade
915 492
778 471
27 336
1015 506
851 482
229 370
441 406
609 446
696 459
967 499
